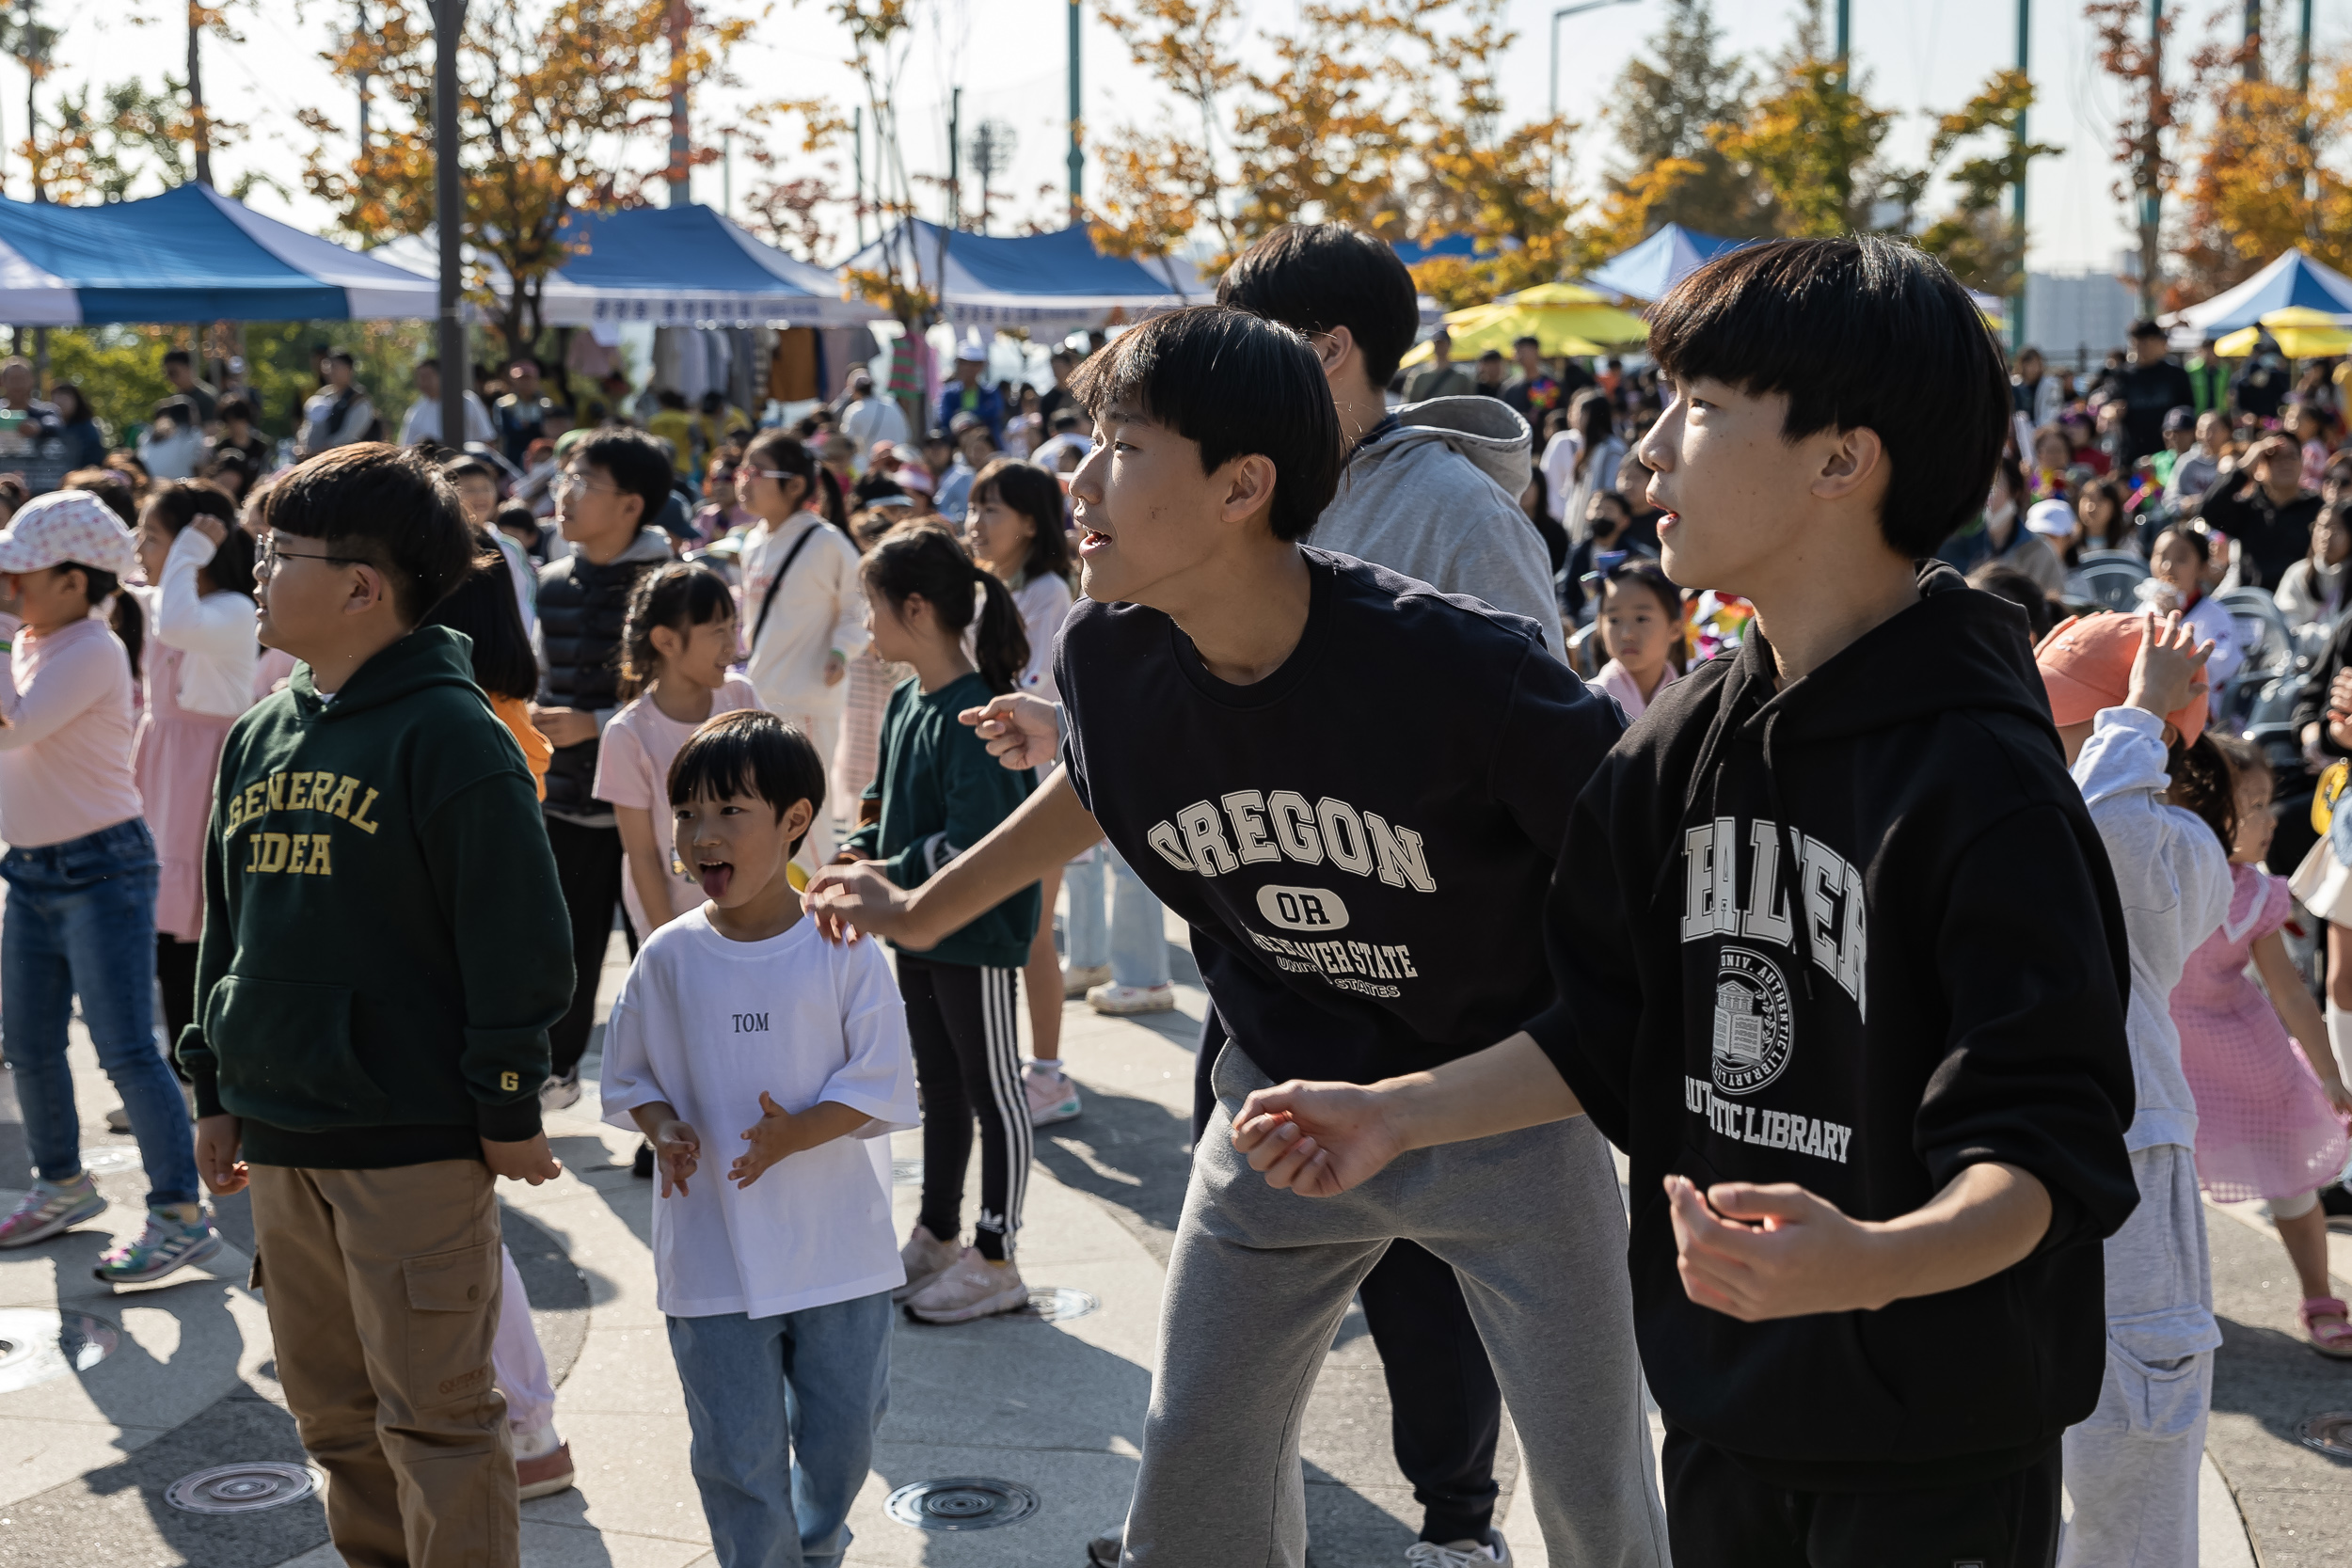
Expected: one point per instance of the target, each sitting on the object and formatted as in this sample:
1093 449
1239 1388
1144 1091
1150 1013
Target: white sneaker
974 1288
1077 979
1124 1001
560 1093
1052 1097
925 1257
1459 1554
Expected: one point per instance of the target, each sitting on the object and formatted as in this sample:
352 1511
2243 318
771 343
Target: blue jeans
81 921
819 1377
1134 943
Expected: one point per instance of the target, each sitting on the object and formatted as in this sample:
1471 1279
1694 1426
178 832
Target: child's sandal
2334 1338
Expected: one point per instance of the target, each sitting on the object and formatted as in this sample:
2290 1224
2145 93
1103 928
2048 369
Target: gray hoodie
1437 497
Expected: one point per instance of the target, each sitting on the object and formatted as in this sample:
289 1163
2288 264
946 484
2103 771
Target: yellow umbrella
1579 325
2301 333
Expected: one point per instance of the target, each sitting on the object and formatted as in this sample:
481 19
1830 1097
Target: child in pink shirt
678 638
80 870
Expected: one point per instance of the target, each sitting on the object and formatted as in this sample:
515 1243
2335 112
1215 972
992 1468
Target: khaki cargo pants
383 1295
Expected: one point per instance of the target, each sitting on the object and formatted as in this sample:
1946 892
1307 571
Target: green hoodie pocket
286 1058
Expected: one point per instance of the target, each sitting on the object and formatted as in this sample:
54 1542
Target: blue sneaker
51 1208
165 1244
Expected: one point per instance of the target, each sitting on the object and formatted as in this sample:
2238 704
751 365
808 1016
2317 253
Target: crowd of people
1542 757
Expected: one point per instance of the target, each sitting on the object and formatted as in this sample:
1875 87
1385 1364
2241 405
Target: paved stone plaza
88 1452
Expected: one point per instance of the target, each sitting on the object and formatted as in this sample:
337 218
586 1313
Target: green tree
1974 239
1665 112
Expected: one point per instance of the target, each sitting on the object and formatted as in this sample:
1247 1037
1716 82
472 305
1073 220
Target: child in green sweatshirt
940 792
385 944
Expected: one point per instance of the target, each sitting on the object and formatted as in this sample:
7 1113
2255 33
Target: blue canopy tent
1658 263
190 254
1057 280
686 266
2292 279
1413 254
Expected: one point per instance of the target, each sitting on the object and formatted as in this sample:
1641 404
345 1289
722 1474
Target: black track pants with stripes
967 1058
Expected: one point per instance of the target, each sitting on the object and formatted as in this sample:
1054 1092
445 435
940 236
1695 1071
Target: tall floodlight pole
1077 154
2151 199
2017 195
449 203
1845 36
2303 54
857 171
1559 15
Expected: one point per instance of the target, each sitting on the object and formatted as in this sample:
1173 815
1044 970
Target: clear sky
1921 57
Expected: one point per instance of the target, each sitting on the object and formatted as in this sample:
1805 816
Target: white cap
67 525
2053 518
972 345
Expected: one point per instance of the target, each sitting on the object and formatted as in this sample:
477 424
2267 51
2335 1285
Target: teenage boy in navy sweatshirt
1841 961
1354 788
384 947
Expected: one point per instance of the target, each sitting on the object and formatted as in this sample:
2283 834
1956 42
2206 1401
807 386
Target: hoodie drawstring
1800 915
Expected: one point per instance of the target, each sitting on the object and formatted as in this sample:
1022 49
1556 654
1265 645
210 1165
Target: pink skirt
177 758
2264 1128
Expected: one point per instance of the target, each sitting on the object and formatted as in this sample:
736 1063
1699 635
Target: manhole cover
37 1344
906 1172
2329 1433
962 1503
111 1157
245 1488
1058 1304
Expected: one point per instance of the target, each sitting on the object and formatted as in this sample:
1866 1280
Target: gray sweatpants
2131 1467
1258 1281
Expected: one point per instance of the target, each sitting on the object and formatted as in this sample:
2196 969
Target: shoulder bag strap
768 600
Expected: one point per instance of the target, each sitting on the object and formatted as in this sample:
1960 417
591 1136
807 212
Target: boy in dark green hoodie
385 945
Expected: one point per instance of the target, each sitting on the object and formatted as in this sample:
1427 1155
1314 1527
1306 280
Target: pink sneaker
974 1288
925 1257
1052 1097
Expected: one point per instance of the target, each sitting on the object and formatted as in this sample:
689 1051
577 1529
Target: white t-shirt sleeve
877 1076
627 1080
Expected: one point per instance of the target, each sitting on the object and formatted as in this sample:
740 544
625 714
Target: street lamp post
1558 16
449 25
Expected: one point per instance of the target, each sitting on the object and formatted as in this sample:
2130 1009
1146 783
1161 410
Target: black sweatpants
1445 1411
1719 1515
967 1061
588 866
175 973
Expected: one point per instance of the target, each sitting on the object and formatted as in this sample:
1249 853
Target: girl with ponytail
803 611
936 793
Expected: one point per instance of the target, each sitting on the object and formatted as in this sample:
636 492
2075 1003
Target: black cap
2182 418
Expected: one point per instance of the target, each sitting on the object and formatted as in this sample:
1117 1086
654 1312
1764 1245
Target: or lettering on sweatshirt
1765 1129
1250 828
1719 902
337 795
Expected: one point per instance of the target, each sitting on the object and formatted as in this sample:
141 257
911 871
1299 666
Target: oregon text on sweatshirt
1858 935
941 793
1361 841
385 941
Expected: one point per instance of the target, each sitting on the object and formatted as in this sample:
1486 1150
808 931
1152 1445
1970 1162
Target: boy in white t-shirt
740 1024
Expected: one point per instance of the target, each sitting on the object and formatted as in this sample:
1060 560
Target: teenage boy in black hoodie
384 948
1876 1105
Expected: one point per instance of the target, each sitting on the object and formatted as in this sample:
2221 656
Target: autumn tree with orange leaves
555 94
1380 113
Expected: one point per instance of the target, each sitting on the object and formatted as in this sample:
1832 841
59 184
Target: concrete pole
449 25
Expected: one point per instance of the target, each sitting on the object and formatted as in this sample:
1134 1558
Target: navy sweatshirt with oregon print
1361 841
385 941
1857 934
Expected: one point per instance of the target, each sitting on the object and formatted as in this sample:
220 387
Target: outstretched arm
1321 1139
1042 833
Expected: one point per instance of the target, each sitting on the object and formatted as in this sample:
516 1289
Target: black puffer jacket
580 607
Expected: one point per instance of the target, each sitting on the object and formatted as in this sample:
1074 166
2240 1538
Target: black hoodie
1955 995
